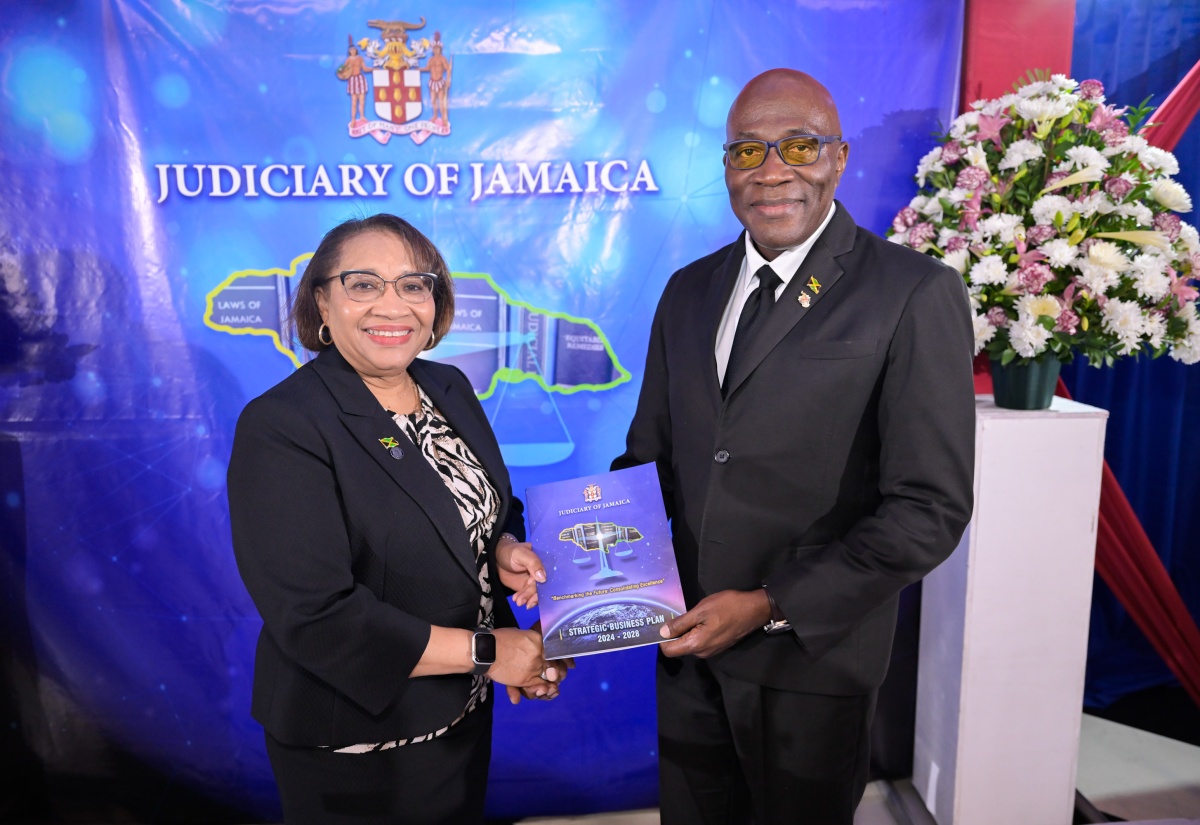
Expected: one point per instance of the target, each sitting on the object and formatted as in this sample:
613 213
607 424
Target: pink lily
1030 257
989 129
972 209
1181 289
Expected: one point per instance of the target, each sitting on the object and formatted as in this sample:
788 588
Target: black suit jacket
351 555
838 466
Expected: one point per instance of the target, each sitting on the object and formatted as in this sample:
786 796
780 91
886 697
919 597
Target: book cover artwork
611 580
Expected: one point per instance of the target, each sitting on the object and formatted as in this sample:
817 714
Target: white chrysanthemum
984 332
930 163
1190 237
1154 158
1171 195
1108 255
1124 320
989 270
1133 144
1047 206
1149 275
1028 337
1003 226
955 195
1061 81
1046 108
899 237
1039 87
973 293
1096 279
1136 210
1021 151
958 259
932 208
964 122
1155 329
1035 306
945 233
1187 350
1086 157
975 156
1059 253
998 105
1096 202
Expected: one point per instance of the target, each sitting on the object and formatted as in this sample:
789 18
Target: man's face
780 205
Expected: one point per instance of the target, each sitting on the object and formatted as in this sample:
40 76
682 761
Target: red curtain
1176 112
1125 558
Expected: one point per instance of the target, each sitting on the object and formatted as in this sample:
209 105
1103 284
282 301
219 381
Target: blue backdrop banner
1142 51
170 166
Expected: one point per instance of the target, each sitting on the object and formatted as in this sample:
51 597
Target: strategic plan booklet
611 579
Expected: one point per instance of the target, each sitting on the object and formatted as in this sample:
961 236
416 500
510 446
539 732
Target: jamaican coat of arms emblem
383 79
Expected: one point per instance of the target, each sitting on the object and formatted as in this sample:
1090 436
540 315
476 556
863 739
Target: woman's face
381 338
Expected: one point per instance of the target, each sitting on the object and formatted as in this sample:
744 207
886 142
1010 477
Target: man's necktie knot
768 281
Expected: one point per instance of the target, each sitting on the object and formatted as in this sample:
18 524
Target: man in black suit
808 401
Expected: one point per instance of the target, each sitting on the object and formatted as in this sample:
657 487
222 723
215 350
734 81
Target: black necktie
754 313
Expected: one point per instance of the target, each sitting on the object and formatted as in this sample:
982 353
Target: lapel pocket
860 348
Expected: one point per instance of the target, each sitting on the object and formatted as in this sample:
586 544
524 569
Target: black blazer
838 467
351 554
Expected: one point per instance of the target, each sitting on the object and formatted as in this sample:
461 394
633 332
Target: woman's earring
321 335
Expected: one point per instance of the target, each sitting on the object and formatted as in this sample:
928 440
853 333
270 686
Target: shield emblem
397 94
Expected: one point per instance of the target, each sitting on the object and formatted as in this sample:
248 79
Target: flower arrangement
1062 219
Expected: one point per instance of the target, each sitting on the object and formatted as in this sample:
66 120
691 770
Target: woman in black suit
372 519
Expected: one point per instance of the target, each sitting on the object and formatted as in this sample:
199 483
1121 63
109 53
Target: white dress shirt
785 267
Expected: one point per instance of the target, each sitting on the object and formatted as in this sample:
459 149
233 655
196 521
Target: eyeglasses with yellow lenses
364 287
797 150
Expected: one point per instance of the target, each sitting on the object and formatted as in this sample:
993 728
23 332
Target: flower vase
1025 386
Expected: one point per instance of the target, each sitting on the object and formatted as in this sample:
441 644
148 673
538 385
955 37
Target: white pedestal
1004 624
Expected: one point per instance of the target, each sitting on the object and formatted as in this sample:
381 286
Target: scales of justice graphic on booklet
611 578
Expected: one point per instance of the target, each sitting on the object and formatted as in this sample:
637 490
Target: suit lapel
715 300
369 422
812 282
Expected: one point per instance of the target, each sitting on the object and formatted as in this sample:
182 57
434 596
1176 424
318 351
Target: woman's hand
554 673
520 569
521 666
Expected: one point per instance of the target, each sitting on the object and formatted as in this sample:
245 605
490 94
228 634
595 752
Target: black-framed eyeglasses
364 287
797 150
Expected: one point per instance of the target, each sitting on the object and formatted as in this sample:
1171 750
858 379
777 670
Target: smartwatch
483 651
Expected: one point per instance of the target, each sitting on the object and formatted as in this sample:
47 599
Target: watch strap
778 622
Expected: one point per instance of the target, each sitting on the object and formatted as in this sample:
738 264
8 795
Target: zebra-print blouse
478 503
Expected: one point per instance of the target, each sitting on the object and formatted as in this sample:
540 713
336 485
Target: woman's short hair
306 314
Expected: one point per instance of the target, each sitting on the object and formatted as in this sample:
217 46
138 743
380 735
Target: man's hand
717 623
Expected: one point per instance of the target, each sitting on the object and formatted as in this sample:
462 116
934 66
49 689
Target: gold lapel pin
814 285
392 446
804 299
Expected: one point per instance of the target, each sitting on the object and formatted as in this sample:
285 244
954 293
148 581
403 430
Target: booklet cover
611 580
